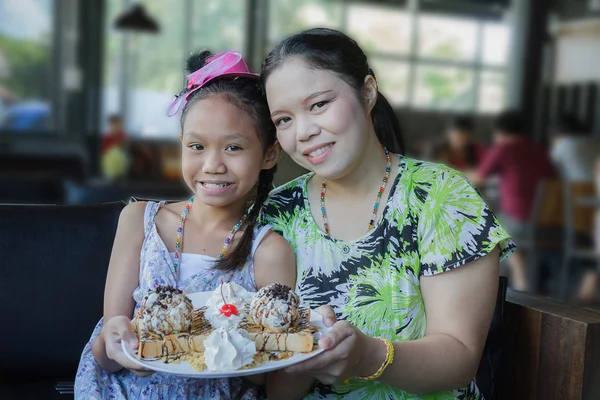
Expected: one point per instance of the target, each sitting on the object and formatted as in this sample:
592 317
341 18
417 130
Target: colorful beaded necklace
179 240
388 168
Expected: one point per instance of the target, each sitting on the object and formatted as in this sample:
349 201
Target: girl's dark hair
245 93
331 50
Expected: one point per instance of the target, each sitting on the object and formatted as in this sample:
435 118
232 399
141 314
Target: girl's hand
116 330
348 353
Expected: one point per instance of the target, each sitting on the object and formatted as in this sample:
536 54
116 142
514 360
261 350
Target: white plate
184 368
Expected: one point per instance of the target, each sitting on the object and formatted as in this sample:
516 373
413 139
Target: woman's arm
459 305
121 281
274 261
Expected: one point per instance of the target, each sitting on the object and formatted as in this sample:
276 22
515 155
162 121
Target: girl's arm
274 261
459 305
121 281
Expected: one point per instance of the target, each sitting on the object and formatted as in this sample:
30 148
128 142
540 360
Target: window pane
379 29
392 79
495 43
291 16
156 71
447 38
444 88
218 25
26 75
492 91
155 63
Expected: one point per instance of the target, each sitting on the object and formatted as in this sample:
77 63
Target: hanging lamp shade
136 20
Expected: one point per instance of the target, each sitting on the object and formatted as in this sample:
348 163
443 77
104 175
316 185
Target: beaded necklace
388 168
179 240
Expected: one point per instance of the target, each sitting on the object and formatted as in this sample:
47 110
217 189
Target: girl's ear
181 136
369 93
271 156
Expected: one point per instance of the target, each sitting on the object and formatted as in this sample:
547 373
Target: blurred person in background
459 150
574 151
588 291
115 136
115 158
521 165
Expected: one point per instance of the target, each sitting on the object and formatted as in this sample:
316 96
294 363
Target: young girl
229 154
405 252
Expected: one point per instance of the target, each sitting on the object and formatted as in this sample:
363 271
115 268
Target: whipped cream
165 311
228 350
275 307
234 294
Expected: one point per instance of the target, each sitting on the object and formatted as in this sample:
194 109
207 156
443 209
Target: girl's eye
318 105
197 147
282 120
233 147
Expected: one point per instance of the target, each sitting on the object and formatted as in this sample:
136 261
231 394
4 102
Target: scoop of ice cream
275 307
165 311
228 350
231 294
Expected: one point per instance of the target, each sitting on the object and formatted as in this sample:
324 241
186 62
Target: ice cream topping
275 307
228 305
228 350
165 311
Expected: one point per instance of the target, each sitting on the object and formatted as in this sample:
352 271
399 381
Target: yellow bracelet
389 358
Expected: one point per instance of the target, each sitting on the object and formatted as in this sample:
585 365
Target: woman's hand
327 314
348 353
116 330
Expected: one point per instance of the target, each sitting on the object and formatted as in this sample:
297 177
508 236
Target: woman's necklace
179 241
388 168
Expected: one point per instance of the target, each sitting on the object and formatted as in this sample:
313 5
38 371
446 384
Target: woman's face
320 121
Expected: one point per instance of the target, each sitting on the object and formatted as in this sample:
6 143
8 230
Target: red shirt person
521 165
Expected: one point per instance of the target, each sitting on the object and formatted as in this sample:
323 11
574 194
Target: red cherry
228 310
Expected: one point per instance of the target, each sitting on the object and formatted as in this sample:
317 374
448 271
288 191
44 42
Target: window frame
414 10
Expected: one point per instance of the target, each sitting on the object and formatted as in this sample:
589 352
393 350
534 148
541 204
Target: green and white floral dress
434 221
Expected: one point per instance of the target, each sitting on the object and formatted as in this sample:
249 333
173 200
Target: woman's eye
197 147
282 120
318 105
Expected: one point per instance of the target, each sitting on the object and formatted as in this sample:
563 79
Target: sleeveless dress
434 221
196 275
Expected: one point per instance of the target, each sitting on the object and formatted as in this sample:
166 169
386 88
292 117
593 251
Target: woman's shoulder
426 171
294 186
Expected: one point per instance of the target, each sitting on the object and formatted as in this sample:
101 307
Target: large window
421 60
144 71
27 81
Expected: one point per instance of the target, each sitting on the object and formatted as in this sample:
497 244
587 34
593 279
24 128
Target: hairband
224 64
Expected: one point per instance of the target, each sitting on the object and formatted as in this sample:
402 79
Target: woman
405 252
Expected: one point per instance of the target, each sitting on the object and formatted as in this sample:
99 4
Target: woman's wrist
375 353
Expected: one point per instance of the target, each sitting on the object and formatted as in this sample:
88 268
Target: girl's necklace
179 241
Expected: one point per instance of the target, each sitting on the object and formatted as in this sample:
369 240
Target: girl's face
222 153
320 121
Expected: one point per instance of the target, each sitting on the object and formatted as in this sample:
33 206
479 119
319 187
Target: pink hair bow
225 64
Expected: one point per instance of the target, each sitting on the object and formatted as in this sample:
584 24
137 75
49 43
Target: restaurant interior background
69 67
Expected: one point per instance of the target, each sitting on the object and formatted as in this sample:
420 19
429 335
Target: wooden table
551 350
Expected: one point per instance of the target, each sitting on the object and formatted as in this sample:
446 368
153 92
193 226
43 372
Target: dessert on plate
236 329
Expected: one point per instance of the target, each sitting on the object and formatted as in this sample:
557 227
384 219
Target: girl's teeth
319 151
215 185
